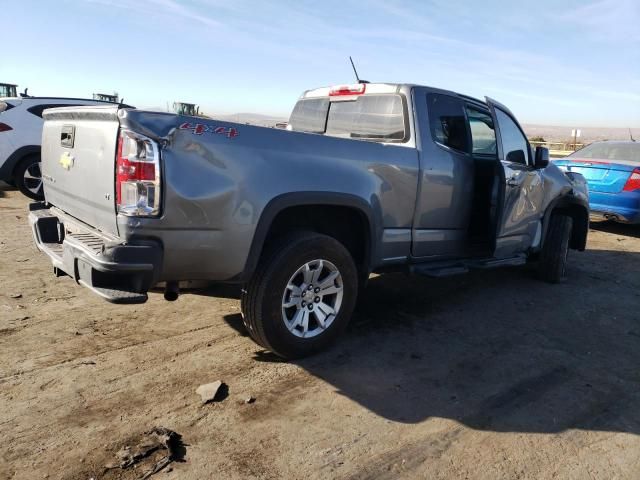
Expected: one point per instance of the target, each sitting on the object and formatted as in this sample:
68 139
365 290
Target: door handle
67 135
513 182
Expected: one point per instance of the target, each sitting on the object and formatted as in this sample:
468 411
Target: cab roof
386 88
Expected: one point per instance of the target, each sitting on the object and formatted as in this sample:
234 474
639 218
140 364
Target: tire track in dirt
100 353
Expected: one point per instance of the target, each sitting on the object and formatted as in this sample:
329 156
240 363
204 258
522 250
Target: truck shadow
496 350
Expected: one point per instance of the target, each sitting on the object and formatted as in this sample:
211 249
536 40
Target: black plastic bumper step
114 295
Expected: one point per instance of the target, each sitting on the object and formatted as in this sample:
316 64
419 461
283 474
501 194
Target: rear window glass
610 151
38 109
370 117
448 122
310 115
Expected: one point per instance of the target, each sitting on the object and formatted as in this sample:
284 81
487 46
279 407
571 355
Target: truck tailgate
78 163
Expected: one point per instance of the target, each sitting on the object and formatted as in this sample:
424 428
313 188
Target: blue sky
574 63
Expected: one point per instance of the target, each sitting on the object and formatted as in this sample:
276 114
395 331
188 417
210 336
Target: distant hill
549 132
251 118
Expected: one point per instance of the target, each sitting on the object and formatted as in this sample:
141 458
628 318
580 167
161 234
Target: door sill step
498 262
439 272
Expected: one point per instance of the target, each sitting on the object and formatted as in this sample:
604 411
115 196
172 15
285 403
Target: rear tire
553 257
28 177
301 296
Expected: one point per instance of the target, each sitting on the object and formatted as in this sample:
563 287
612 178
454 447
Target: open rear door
517 218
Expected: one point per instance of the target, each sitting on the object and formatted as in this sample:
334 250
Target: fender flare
7 168
581 228
372 215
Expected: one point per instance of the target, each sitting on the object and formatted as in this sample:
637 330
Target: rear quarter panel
216 186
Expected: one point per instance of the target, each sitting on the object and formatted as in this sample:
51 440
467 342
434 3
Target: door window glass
512 138
483 135
448 122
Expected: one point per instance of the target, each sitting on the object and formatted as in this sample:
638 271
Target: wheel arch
288 203
9 166
575 208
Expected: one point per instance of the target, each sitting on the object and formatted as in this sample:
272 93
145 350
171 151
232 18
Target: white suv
20 137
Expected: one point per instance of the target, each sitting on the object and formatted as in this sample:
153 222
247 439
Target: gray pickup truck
365 178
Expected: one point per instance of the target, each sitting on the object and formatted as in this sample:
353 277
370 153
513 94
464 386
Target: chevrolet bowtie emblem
66 160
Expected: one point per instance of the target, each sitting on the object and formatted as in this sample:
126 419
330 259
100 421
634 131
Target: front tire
28 177
301 296
553 257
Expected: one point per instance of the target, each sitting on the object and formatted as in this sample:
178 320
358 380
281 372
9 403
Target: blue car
612 170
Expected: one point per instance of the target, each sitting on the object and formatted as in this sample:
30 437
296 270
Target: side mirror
517 156
541 159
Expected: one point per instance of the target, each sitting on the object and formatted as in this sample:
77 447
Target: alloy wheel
312 298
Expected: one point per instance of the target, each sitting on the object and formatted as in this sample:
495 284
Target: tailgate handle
67 136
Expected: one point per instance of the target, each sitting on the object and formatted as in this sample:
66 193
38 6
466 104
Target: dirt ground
492 375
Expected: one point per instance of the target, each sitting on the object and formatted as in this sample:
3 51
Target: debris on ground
155 440
209 391
249 399
16 295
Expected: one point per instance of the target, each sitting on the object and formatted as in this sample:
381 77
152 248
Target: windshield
7 90
610 151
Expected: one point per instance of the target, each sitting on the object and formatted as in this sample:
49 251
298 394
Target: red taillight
137 175
633 182
4 127
342 90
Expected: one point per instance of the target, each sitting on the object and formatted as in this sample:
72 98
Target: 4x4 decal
200 128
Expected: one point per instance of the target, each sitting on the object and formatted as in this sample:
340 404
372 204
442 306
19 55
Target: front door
519 224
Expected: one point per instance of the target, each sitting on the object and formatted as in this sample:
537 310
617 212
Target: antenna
356 71
631 136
